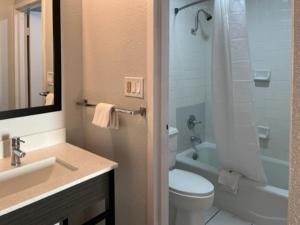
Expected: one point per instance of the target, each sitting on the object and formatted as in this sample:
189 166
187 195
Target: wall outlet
134 87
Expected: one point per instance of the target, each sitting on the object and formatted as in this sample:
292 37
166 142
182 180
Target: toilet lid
188 183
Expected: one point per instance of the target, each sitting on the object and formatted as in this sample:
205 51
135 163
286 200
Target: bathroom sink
27 176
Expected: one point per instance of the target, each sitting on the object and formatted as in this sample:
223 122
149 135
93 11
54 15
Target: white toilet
190 194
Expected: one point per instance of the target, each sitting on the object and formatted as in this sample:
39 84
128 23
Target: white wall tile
269 23
189 55
237 51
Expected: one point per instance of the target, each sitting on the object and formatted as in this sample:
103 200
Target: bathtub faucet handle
192 122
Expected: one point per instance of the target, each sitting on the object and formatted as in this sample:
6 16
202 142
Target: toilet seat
190 184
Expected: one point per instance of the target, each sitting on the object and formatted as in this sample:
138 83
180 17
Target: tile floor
216 216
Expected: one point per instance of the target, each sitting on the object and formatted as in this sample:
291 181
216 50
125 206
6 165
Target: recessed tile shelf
263 132
262 75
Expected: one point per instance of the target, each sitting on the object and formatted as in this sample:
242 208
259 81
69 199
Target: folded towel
49 99
229 181
105 116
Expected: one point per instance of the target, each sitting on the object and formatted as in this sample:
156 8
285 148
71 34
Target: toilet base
184 217
188 210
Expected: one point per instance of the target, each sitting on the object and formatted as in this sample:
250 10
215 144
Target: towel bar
142 111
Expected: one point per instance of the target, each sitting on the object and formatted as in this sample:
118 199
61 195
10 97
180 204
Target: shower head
208 17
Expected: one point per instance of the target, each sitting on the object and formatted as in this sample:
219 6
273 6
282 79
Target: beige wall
6 13
72 67
115 46
294 188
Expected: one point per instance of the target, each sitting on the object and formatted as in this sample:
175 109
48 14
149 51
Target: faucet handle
192 122
16 153
17 140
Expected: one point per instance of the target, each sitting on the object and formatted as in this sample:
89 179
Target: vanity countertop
87 166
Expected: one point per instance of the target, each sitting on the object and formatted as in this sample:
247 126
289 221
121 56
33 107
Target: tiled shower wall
190 57
269 23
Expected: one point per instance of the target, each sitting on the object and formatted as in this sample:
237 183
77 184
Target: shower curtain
232 90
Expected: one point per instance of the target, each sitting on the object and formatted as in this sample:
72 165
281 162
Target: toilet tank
172 146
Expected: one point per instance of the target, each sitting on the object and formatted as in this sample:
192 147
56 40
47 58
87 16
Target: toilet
190 194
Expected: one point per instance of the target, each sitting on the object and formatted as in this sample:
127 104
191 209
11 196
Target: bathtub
260 204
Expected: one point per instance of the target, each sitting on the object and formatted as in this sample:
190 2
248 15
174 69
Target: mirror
30 65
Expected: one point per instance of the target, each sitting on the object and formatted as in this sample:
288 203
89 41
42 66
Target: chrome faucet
16 153
192 122
195 140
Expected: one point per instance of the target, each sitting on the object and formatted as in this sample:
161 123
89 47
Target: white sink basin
19 179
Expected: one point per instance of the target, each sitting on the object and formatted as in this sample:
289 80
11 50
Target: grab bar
142 111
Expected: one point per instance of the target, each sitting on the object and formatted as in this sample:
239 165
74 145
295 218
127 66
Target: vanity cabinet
58 207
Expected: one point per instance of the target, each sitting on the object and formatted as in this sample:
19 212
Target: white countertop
88 166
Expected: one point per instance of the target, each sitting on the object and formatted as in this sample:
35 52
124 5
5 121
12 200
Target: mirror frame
57 71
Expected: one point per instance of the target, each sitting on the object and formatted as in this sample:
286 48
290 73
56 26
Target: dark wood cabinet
59 207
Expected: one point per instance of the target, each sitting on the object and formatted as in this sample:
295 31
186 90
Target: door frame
22 58
158 102
158 74
20 54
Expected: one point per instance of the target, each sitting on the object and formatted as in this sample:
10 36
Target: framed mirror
30 57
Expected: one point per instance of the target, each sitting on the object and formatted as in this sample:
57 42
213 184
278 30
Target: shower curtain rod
177 10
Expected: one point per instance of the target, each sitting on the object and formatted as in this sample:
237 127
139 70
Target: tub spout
195 139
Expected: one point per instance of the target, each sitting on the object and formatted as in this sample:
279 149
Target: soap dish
263 132
262 75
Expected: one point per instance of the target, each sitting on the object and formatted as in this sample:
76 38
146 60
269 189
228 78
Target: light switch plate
134 87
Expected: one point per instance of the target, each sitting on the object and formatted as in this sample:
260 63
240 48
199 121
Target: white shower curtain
232 87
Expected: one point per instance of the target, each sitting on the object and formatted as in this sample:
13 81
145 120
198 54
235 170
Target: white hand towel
229 181
49 99
105 116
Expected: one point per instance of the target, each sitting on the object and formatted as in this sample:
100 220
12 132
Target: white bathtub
262 205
